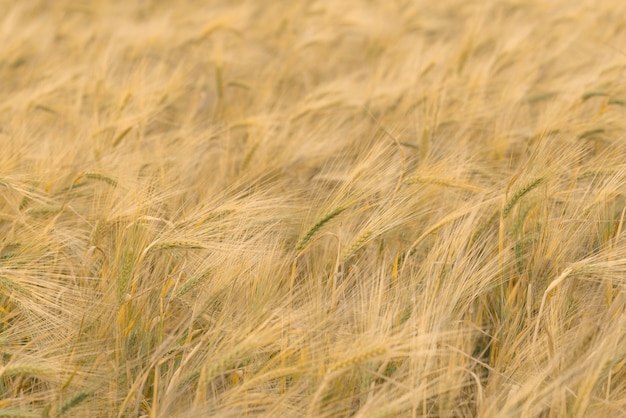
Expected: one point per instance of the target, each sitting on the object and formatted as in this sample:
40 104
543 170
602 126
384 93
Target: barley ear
72 402
125 273
327 218
359 358
355 245
25 369
458 184
190 284
510 204
177 245
98 177
44 210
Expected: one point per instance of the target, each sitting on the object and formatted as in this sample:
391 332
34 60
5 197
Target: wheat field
330 208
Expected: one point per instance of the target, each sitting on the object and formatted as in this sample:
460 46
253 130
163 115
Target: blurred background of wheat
324 208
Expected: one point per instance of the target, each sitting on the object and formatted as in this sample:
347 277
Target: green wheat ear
126 271
177 244
327 218
98 177
71 403
510 204
31 369
44 210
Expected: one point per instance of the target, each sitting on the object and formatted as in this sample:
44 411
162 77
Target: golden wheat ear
355 245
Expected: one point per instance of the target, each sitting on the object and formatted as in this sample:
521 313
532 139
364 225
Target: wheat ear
327 218
444 182
510 204
336 370
72 402
100 177
355 245
44 210
25 369
359 358
178 244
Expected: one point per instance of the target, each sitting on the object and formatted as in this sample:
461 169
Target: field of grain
329 208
